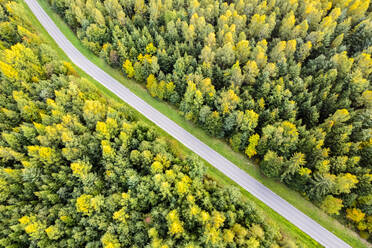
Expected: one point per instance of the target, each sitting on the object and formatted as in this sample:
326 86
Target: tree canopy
284 77
79 170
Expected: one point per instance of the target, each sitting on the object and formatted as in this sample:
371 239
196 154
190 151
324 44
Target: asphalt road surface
302 221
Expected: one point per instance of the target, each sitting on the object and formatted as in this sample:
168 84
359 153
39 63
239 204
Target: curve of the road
302 221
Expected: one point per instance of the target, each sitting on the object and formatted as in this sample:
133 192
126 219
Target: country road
302 221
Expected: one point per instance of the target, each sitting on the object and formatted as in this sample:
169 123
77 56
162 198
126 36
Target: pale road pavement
302 221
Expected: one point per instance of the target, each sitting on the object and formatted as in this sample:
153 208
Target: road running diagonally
299 219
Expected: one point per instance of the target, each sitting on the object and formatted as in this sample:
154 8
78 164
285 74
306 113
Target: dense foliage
287 81
77 170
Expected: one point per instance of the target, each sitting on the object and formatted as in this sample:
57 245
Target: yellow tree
345 182
8 71
304 51
228 101
140 7
98 17
300 30
236 76
80 168
277 54
152 85
256 25
93 111
337 41
23 60
110 241
287 25
248 121
128 68
208 90
250 151
175 226
207 55
357 9
259 54
332 205
342 62
364 62
155 7
290 48
355 214
192 101
242 50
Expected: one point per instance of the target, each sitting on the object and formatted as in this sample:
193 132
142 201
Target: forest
80 170
287 82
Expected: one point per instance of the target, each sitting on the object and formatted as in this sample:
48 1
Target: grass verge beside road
218 145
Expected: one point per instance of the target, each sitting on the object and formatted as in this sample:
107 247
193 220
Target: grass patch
218 145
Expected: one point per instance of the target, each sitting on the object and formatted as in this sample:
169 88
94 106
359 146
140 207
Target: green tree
281 137
272 164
